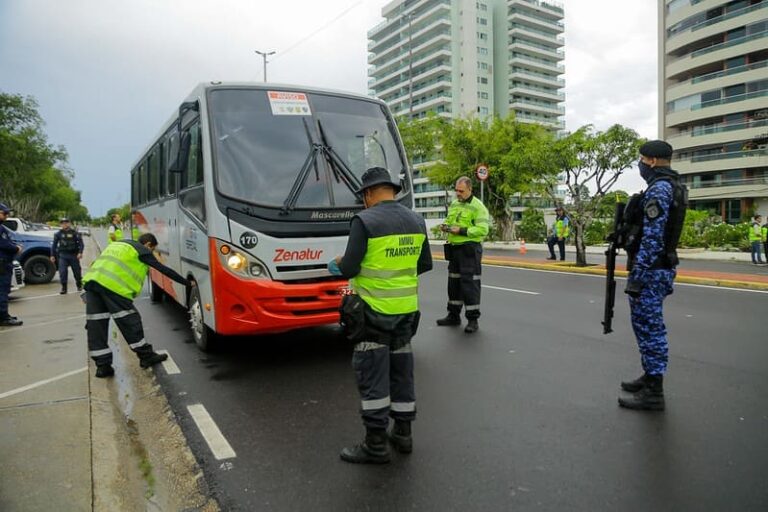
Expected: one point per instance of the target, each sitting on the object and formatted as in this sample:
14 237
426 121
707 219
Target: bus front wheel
205 337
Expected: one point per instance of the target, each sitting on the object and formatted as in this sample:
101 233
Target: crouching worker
387 249
111 284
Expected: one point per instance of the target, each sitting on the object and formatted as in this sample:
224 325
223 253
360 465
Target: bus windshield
261 147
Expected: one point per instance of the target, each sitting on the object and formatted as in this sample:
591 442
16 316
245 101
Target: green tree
421 137
592 161
34 176
532 226
516 154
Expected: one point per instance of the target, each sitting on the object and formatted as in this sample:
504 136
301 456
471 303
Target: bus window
135 187
153 175
143 183
194 174
161 169
171 146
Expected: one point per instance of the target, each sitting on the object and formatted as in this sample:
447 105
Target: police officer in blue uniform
8 251
67 249
652 259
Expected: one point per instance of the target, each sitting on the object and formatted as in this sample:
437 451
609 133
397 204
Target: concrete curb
569 268
141 459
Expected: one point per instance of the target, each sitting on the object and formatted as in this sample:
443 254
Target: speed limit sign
482 172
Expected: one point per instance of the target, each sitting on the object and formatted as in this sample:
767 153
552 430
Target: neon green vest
472 215
562 230
119 270
135 233
755 232
387 280
764 233
118 235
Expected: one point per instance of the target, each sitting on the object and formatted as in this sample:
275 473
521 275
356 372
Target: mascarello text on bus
249 189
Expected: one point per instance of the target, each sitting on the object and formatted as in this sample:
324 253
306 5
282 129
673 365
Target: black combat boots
10 321
649 398
63 290
151 359
104 370
451 319
400 436
373 450
633 386
471 326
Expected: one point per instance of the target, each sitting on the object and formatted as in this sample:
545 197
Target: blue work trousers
648 320
6 275
69 260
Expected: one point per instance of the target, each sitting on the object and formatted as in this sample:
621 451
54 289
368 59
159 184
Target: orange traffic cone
523 250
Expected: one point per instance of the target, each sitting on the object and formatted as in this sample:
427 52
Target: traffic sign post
482 172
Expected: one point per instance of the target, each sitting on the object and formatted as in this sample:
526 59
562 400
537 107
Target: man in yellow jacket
111 284
467 225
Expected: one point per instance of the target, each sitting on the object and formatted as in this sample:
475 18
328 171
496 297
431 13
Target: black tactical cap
64 219
4 208
377 176
656 149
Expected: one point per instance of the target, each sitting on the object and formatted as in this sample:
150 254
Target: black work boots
471 326
151 359
400 437
373 450
649 394
10 321
63 290
104 370
451 319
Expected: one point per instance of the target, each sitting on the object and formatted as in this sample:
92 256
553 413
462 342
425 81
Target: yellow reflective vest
471 215
118 235
119 270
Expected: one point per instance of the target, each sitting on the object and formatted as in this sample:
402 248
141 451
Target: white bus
249 189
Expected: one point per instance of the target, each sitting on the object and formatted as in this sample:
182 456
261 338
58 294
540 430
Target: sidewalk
508 254
69 441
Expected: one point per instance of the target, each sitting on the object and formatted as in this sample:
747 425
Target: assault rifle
616 240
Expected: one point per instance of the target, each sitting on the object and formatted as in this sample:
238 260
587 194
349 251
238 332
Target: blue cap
4 208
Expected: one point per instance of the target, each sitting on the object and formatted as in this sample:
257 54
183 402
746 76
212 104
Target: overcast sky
108 73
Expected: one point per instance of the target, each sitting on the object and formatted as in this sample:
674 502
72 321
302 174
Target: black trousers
69 260
464 270
551 242
101 305
6 276
383 367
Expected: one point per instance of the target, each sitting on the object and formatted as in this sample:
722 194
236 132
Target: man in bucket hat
386 251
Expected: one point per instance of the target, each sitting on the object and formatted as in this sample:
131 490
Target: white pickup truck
21 226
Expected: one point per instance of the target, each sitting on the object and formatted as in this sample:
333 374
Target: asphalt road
520 416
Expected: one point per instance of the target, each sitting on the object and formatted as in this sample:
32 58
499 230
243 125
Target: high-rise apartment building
468 57
713 101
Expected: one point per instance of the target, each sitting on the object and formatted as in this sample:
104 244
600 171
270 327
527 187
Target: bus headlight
256 270
236 261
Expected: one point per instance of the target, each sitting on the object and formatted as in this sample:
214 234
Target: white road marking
42 383
218 444
41 297
510 290
169 364
3 331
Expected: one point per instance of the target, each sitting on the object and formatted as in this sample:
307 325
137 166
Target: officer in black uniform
8 250
68 248
387 249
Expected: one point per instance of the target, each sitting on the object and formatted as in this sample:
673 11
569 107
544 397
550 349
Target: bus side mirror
182 157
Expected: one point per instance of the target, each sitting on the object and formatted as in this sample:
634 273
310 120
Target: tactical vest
68 241
632 224
118 234
119 270
388 281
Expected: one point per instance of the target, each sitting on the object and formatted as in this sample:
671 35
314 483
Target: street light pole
264 56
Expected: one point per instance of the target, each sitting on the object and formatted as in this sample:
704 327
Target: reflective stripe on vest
119 270
387 280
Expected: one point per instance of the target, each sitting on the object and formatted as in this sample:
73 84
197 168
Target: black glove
633 288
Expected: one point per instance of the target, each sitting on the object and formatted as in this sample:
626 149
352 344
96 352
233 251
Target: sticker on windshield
289 103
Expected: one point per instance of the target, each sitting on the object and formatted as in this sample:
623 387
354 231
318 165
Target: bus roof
199 91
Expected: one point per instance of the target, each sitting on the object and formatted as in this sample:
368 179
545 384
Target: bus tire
204 336
156 293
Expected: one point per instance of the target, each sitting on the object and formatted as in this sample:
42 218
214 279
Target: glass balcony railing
728 16
729 155
723 182
526 72
722 128
548 49
555 7
543 62
548 35
728 72
728 44
547 23
730 99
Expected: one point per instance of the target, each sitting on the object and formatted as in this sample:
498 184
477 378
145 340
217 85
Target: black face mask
646 171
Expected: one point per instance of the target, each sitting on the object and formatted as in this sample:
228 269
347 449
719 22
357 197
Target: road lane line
3 331
169 364
42 383
38 297
510 290
218 444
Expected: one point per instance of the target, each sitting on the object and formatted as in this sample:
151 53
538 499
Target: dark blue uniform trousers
6 275
648 320
69 260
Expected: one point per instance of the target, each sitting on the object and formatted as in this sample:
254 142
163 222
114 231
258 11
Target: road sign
482 172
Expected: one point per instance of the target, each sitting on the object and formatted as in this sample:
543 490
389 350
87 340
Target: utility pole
264 56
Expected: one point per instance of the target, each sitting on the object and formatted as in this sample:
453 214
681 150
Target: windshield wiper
340 169
301 178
